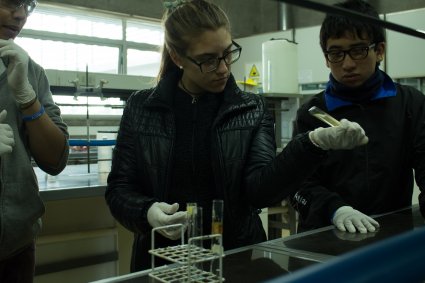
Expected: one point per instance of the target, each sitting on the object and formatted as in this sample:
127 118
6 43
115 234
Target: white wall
311 62
405 53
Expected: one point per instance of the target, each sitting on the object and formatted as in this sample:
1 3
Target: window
66 21
63 38
71 39
143 63
152 34
70 56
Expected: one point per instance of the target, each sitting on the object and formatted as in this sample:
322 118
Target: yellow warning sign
254 72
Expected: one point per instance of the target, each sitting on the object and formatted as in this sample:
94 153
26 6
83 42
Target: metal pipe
345 12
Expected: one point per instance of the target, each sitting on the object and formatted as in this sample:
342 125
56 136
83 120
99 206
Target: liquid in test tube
191 208
217 217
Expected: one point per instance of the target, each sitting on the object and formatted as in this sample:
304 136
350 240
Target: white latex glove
163 214
7 141
17 71
347 218
346 136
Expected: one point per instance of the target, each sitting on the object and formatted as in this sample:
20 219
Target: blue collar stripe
387 89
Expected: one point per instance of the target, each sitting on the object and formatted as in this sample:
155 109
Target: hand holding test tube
341 135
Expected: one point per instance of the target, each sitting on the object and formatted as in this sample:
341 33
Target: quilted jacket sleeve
126 203
271 178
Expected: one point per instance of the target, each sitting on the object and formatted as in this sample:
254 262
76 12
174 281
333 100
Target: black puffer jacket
243 160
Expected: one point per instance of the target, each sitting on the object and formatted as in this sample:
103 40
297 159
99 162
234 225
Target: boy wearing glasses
377 177
30 128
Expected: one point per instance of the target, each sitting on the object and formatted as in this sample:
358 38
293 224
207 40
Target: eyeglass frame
199 64
345 52
31 3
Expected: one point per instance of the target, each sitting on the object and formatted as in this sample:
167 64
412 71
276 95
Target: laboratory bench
79 237
278 257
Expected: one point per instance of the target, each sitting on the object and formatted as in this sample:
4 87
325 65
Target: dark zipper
170 159
194 119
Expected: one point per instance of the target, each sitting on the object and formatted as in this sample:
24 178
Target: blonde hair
185 21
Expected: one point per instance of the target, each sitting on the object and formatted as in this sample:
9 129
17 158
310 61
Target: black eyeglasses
355 53
212 64
13 6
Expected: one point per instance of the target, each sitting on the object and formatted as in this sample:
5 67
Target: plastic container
280 67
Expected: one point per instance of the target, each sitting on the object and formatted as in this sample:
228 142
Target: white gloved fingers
358 224
7 139
179 217
370 224
345 123
355 132
353 220
6 147
163 214
17 71
168 208
340 226
173 233
155 215
10 49
6 134
348 223
3 115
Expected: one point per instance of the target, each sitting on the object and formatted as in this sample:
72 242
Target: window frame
122 44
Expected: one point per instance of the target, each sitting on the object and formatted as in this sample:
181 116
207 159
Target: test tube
217 217
191 210
194 216
323 116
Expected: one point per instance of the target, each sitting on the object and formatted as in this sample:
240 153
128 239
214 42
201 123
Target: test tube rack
187 258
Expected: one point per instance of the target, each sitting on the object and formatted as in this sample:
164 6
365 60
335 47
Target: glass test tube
323 116
217 217
194 216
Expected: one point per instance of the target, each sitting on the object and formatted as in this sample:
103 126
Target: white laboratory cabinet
405 53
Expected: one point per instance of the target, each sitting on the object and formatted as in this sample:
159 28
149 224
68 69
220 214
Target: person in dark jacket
196 137
349 186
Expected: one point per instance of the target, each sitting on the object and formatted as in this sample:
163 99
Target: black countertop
334 242
278 257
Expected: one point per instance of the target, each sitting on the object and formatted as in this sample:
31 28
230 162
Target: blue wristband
34 116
